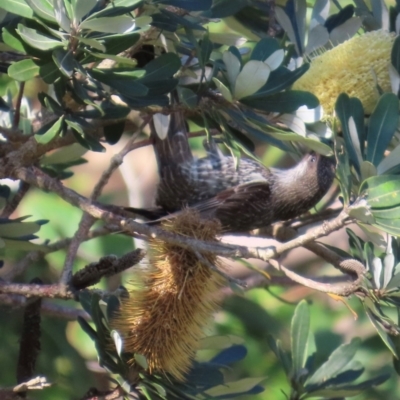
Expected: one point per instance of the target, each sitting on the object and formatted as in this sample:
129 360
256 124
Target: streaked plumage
244 198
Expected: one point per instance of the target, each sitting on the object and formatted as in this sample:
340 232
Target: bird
243 196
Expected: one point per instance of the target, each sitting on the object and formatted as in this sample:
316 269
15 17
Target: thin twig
87 220
43 181
218 271
345 289
34 256
17 114
12 205
30 341
48 308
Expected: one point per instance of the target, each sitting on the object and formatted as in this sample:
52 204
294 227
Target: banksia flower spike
164 319
351 67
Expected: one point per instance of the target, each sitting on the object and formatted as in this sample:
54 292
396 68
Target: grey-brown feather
242 197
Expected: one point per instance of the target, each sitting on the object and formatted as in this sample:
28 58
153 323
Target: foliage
76 75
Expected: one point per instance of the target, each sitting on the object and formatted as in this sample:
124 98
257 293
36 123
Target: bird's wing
239 198
236 207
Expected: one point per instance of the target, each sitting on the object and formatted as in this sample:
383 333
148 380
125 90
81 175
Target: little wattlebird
243 197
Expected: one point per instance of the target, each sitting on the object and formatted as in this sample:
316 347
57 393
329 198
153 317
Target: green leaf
379 328
36 39
188 97
64 61
388 267
395 56
118 59
87 329
121 24
367 170
115 44
161 68
43 9
275 59
190 5
117 7
49 72
18 7
382 191
49 134
230 388
344 175
50 103
264 48
141 360
351 115
83 7
391 226
23 70
92 43
117 341
382 126
12 229
219 342
285 102
85 140
288 27
335 364
251 78
389 162
10 38
299 337
223 89
232 64
281 79
394 283
63 12
206 48
64 155
387 213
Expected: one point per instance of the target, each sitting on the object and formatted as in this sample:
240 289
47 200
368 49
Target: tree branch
87 220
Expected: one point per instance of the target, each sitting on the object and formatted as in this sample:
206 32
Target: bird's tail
171 148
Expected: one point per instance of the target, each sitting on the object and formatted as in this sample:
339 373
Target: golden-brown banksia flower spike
350 68
164 319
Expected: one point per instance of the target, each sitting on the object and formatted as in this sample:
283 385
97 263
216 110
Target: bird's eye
313 158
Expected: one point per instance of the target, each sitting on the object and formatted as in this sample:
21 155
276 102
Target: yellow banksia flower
164 318
351 68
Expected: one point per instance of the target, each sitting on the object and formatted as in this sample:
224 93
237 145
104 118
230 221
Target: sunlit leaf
240 386
224 90
18 7
42 8
284 102
232 64
50 133
382 191
299 336
23 70
336 363
82 7
251 78
190 5
121 24
382 126
36 39
61 14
